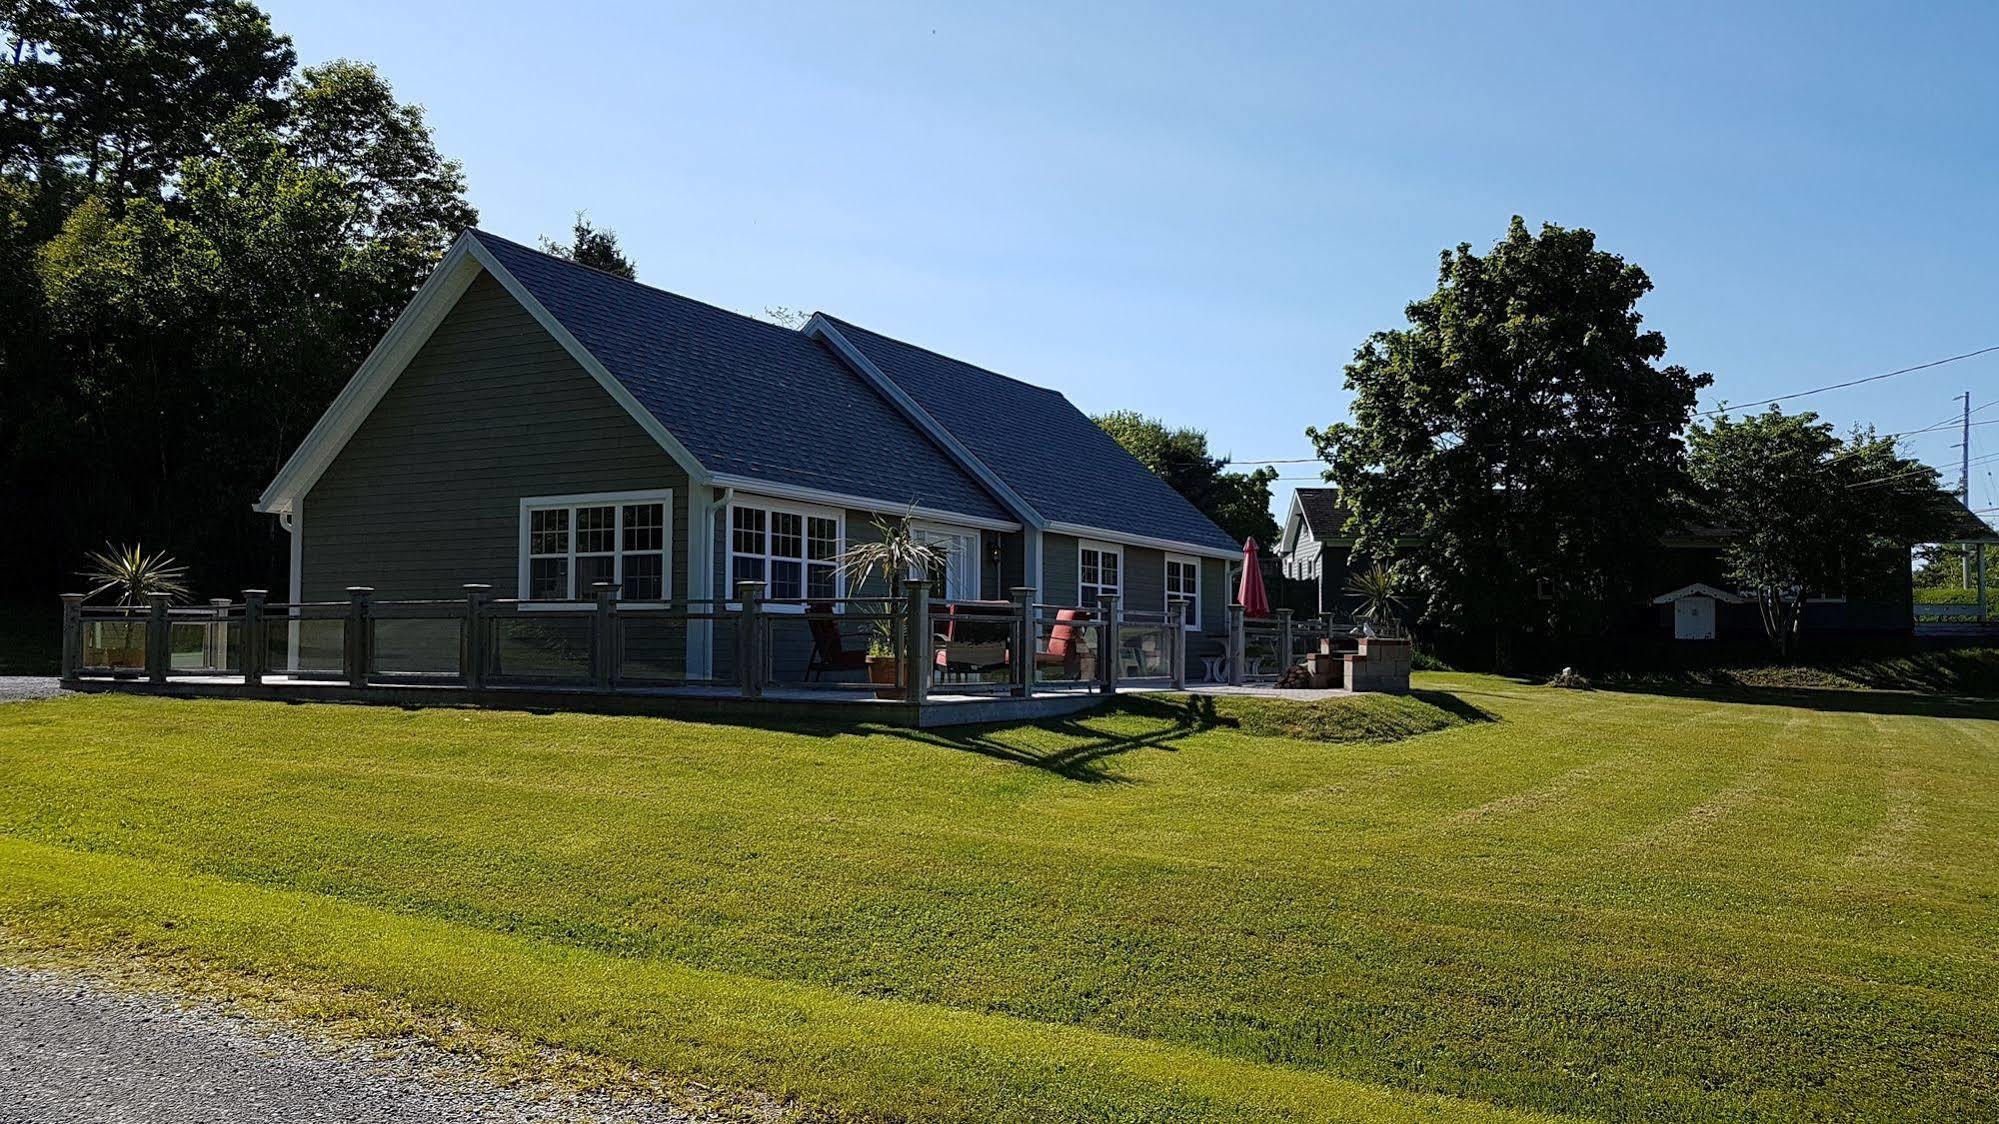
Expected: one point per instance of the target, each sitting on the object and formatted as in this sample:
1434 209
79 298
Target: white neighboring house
1695 609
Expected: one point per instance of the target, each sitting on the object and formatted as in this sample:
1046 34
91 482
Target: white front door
1693 618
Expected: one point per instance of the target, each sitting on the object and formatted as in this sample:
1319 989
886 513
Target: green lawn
1579 904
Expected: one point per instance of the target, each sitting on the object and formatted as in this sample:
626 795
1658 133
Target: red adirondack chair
1065 649
829 652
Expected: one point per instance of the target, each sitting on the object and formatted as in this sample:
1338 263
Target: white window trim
1101 548
1193 622
978 556
803 511
531 504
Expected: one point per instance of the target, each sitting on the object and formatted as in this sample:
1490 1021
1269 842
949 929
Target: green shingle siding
426 495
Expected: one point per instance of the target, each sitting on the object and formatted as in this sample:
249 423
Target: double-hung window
1183 582
1099 571
570 543
794 551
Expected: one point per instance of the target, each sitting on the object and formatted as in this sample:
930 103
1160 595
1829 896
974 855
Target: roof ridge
560 260
941 355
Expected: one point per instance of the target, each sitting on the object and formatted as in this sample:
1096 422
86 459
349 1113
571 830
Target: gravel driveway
17 688
71 1050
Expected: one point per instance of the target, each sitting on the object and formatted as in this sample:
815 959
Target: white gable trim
1700 589
819 328
1294 521
412 329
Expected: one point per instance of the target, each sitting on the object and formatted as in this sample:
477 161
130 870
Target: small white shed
1694 609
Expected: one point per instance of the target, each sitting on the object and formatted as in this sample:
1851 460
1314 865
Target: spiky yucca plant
135 574
1375 588
895 555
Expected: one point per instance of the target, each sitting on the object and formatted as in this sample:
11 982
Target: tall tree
187 332
1807 513
1238 502
1522 433
594 247
113 94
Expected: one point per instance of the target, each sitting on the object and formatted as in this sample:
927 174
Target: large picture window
794 551
1099 571
570 543
1183 581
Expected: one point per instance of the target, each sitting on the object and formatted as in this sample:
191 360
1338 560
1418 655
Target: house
1695 601
1312 545
542 426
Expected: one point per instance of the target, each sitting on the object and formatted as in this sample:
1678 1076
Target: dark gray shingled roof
747 398
1324 514
1040 445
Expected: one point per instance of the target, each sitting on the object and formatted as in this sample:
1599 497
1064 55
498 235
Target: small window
573 543
1098 572
1183 581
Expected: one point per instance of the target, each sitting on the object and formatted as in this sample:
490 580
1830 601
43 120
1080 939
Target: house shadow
1830 699
1077 748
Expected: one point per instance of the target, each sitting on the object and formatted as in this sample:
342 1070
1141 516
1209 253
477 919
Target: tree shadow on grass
1077 748
1455 705
1832 699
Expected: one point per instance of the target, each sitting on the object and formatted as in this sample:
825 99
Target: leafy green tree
112 95
594 247
177 338
1940 566
1808 514
1522 433
1238 502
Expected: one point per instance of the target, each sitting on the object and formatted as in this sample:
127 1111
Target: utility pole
1964 495
1964 456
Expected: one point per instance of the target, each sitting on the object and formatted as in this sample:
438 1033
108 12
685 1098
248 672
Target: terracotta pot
885 672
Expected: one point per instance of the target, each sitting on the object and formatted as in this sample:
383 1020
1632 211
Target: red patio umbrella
1250 595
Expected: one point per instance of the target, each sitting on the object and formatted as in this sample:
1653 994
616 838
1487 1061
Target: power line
1851 382
1914 472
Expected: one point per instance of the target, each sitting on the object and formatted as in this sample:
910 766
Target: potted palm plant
134 575
893 555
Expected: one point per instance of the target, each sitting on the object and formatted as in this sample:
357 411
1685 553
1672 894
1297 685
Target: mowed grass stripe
1267 900
869 1056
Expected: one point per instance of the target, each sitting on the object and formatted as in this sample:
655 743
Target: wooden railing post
603 638
1284 640
1024 640
72 635
1107 659
216 635
159 641
749 652
1238 640
917 655
1176 642
256 641
355 649
472 645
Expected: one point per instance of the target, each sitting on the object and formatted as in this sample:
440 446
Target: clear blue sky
1201 211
